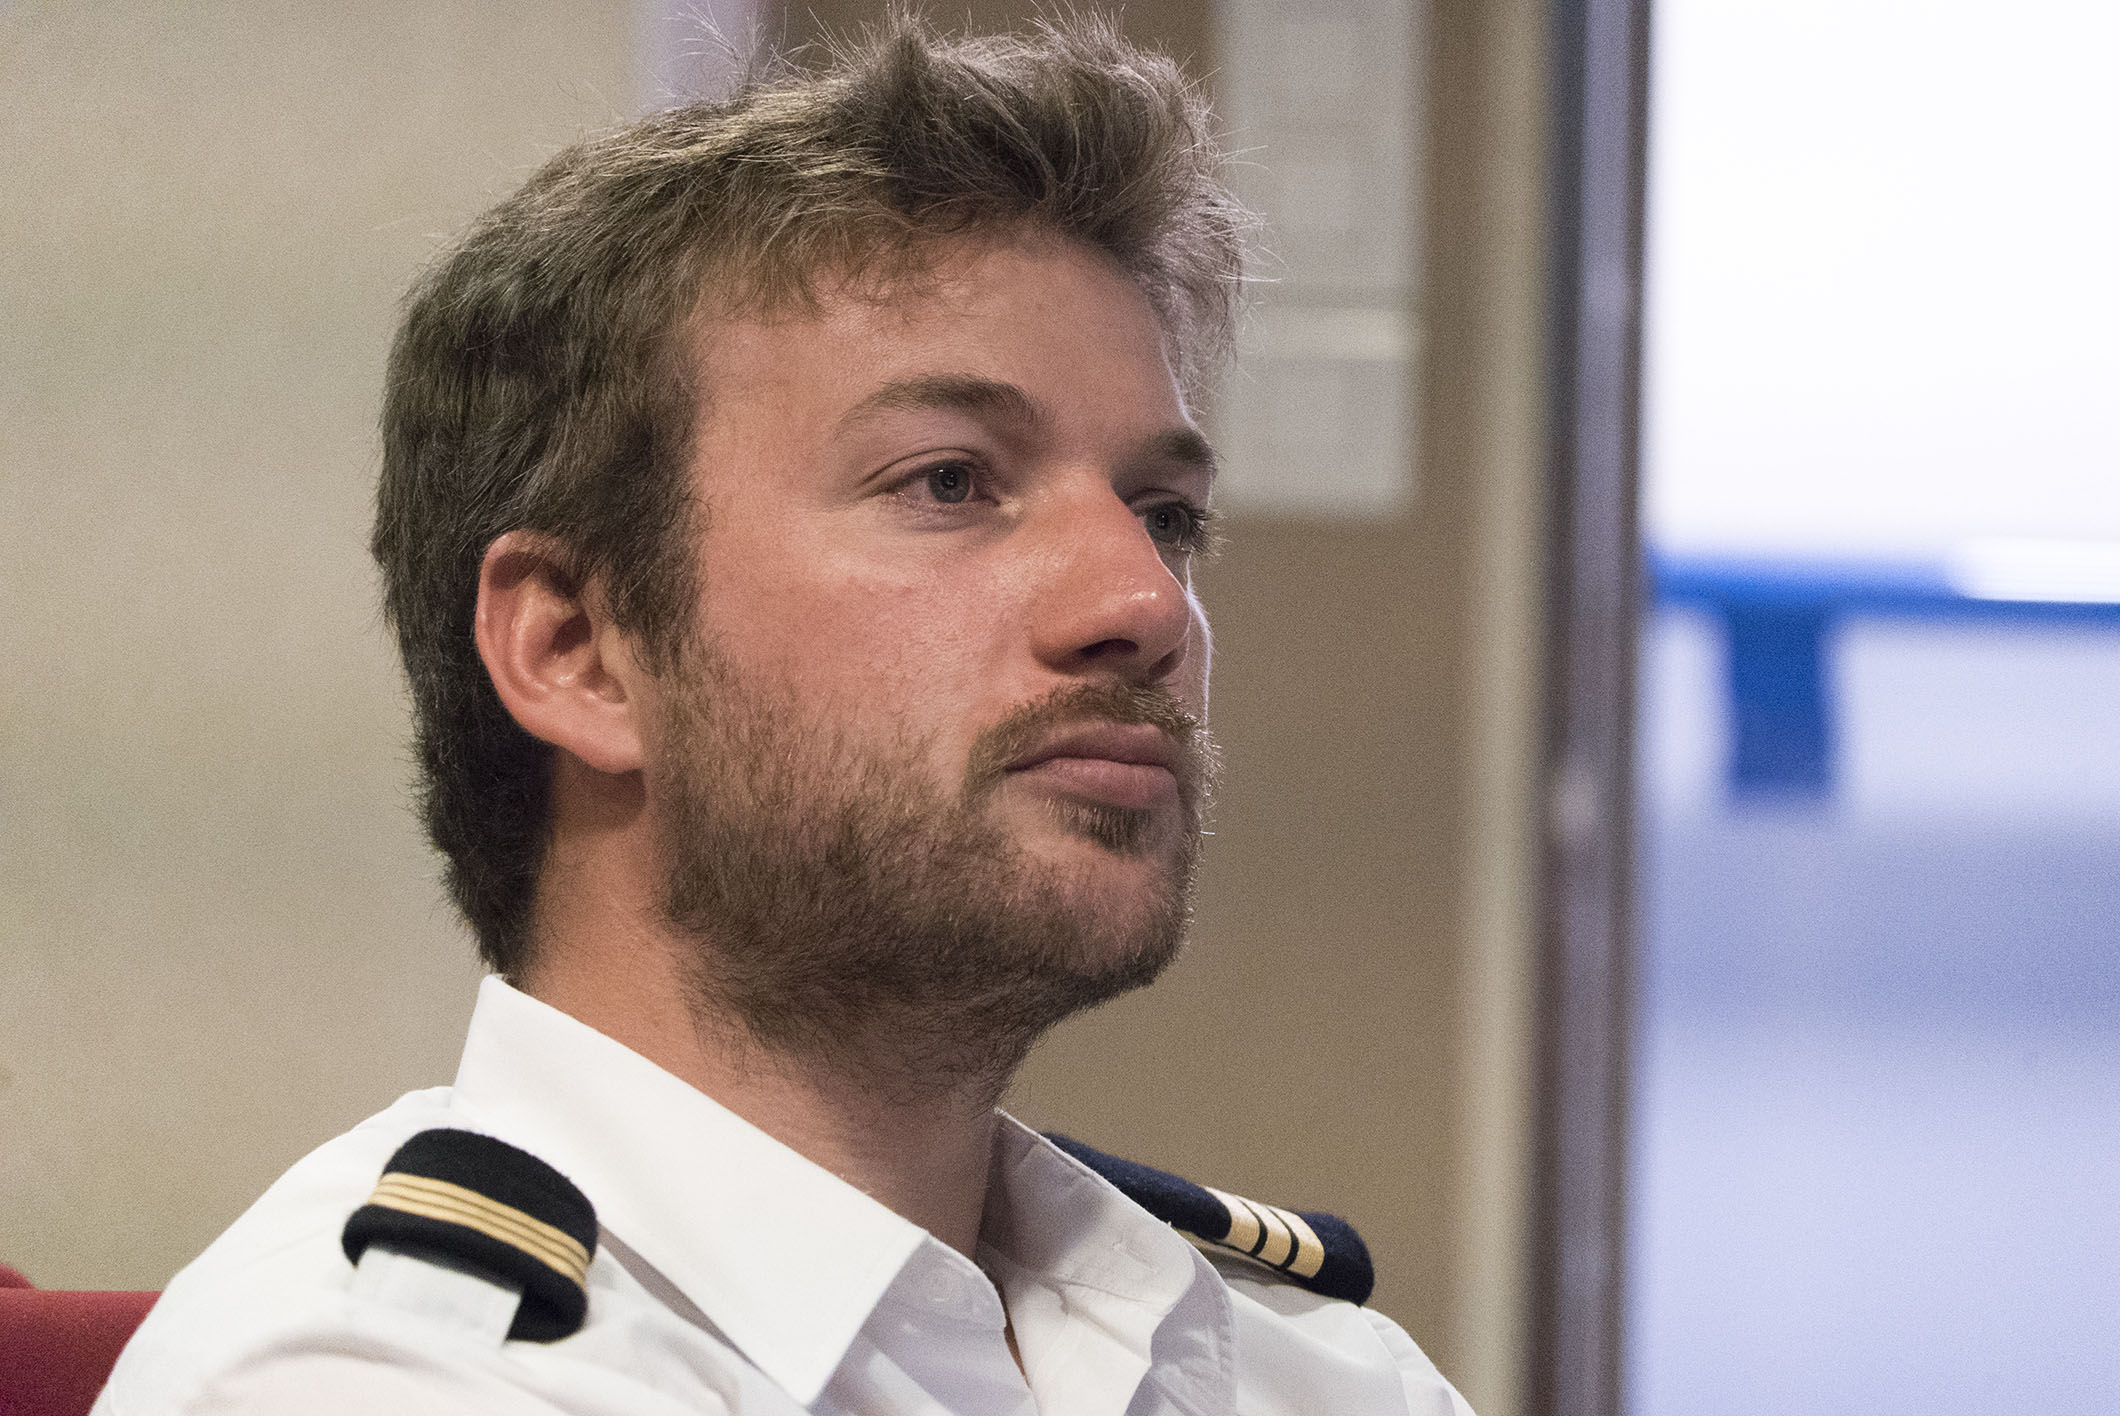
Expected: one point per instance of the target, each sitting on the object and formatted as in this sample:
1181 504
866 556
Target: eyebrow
1187 447
960 393
971 393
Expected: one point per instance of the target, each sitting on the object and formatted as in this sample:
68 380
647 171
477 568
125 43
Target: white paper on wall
1319 103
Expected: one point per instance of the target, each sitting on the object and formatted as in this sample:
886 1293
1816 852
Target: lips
1136 744
1118 764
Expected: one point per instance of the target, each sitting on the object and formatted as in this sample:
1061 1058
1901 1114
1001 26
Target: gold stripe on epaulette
1310 1250
1280 1245
453 1204
1274 1236
1246 1233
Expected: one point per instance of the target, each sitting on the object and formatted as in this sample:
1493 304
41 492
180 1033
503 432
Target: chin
1123 856
1118 891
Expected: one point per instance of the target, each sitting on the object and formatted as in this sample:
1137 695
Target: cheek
872 643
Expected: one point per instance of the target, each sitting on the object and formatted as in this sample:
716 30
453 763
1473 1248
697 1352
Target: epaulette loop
475 1202
1322 1252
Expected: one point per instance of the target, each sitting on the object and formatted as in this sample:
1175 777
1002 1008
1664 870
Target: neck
604 958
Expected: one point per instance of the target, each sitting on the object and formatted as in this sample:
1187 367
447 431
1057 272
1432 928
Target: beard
847 913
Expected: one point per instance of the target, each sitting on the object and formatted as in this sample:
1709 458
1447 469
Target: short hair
538 380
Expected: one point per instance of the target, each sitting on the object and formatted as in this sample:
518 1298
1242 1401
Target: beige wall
220 937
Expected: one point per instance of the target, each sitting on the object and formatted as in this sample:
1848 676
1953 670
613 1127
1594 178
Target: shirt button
941 1288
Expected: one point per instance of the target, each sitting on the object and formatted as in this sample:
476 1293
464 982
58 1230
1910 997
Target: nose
1110 602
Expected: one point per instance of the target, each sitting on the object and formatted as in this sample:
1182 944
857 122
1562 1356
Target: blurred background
1877 1134
1672 916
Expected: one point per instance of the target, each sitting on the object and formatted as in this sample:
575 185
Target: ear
561 667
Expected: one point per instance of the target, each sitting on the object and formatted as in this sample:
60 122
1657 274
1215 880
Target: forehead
1058 320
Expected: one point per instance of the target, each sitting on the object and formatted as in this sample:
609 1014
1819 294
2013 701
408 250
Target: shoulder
415 1264
271 1273
1299 1282
289 1231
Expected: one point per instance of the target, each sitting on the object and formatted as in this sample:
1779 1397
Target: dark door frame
1598 85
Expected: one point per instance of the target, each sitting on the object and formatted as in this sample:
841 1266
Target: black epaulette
470 1201
1319 1251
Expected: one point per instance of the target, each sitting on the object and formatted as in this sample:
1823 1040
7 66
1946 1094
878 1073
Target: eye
1180 526
950 481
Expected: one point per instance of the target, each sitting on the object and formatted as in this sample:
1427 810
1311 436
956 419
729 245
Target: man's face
938 763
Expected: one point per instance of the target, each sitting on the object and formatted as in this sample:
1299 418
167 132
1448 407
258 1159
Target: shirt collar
787 1259
1053 1215
1138 1291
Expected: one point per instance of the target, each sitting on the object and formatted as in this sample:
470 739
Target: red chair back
57 1347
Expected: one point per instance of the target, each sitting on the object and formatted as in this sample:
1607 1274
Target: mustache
1021 730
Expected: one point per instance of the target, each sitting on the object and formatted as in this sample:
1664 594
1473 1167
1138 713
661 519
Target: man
787 516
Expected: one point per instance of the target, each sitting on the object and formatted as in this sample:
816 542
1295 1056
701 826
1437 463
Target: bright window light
2082 571
1882 288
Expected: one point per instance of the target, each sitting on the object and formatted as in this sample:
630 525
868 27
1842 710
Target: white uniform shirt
732 1275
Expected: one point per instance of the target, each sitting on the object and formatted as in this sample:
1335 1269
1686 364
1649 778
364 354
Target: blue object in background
1781 738
1779 619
